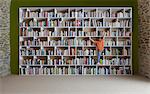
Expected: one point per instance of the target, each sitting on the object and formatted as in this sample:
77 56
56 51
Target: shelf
78 46
60 39
77 55
76 17
72 27
61 65
76 36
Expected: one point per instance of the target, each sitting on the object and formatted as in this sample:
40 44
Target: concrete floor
75 85
0 85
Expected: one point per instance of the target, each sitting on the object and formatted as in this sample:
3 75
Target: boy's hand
91 39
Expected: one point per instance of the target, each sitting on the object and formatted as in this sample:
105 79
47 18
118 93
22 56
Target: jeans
99 56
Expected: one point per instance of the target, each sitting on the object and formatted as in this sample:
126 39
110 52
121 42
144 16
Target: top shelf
76 12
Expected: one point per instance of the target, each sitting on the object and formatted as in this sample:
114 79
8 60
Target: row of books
85 60
35 61
73 70
83 42
53 13
104 61
36 14
85 33
118 32
110 42
71 61
115 61
77 61
56 42
119 42
56 61
128 32
121 51
124 42
73 42
120 13
90 13
73 51
68 33
114 51
33 42
105 13
107 51
30 33
117 13
96 23
64 42
86 52
90 70
60 33
118 23
46 32
49 71
67 42
29 14
62 14
32 51
75 13
82 22
121 70
103 70
32 23
58 51
118 51
88 22
39 52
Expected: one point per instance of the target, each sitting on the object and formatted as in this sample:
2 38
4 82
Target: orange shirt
100 45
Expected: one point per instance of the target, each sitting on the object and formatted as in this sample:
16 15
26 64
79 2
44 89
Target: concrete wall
0 85
4 37
144 37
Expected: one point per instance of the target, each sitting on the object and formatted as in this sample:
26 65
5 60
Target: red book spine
40 23
46 22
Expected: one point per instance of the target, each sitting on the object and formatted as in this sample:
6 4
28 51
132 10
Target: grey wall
0 85
144 37
4 37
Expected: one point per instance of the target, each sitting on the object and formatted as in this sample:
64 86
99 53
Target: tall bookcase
55 40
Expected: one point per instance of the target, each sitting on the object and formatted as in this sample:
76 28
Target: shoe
98 63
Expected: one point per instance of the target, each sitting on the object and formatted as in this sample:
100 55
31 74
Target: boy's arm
92 40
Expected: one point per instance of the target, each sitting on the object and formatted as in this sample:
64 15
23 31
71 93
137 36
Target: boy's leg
99 56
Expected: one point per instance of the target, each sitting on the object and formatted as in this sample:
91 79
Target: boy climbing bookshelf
99 43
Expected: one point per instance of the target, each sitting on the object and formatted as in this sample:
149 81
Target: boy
99 46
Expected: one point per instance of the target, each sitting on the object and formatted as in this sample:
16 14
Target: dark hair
100 38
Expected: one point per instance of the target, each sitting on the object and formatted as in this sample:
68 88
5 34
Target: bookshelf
55 40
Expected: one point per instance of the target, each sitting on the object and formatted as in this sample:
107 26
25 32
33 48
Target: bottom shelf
78 70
